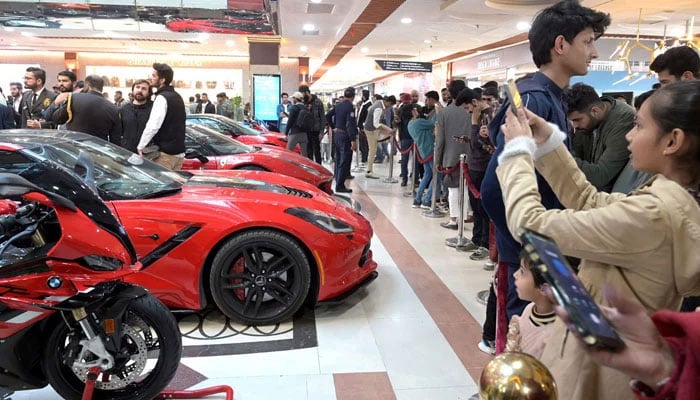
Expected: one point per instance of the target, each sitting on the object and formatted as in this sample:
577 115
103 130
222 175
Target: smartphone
583 312
513 95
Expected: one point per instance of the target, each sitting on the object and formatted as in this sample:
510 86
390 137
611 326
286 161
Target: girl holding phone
645 245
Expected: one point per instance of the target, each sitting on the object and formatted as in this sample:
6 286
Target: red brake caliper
238 268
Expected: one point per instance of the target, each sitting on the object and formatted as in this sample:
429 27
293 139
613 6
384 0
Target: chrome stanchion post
434 212
413 159
390 178
460 241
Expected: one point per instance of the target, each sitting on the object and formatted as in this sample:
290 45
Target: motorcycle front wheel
151 344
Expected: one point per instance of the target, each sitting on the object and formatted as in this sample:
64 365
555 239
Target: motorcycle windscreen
54 178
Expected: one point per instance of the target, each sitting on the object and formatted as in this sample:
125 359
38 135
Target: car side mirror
192 154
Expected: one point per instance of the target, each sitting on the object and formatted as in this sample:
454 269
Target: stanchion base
458 242
409 194
357 169
483 297
433 213
197 394
390 180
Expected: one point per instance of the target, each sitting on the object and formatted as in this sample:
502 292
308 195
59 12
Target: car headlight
306 168
322 220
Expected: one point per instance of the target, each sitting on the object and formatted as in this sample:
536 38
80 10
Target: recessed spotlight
523 26
364 49
309 27
303 48
315 1
230 43
427 41
406 20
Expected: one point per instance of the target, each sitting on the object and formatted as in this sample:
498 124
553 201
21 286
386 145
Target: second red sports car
209 150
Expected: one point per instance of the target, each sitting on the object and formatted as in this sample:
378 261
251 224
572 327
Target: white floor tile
416 354
291 362
450 393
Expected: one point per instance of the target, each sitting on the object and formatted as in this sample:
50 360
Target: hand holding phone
584 314
513 95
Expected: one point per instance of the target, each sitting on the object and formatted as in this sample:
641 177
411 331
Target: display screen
266 96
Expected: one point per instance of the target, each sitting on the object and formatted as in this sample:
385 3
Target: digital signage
266 96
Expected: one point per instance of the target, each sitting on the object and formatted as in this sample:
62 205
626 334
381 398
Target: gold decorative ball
516 376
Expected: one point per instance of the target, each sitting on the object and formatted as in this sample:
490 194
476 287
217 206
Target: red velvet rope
421 159
402 151
472 188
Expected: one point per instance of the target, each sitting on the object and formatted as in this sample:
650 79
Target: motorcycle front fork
92 345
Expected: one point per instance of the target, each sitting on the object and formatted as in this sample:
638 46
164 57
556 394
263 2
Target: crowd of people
617 185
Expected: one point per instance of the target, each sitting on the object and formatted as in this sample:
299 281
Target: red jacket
681 330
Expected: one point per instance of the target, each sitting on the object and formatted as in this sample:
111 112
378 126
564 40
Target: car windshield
119 174
221 144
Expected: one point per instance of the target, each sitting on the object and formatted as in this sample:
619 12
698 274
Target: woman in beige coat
646 245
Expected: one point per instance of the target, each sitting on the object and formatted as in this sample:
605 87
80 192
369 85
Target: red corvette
208 150
257 244
239 130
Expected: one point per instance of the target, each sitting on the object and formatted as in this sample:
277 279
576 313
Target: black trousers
480 232
343 157
489 332
313 147
364 146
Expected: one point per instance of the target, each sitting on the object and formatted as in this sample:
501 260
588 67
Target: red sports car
226 25
239 130
208 150
257 244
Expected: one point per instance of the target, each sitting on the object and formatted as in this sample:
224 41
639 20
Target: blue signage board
266 96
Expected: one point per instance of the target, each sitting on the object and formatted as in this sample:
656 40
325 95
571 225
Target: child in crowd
527 333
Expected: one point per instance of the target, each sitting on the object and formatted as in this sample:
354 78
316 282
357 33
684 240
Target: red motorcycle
64 309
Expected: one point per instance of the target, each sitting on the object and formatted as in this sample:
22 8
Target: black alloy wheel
260 277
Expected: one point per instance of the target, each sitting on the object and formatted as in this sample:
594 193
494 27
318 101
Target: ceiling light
309 27
230 43
406 20
427 41
315 1
303 48
523 26
364 49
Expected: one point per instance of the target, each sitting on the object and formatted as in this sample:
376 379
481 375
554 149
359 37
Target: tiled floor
411 334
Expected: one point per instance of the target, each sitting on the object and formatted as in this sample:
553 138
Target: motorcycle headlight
322 220
306 168
101 263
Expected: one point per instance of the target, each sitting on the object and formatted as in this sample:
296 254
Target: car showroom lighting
364 49
406 20
230 43
523 26
309 27
304 49
315 1
427 41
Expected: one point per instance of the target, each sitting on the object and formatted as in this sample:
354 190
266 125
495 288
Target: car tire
260 277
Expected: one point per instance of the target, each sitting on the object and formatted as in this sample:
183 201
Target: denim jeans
424 183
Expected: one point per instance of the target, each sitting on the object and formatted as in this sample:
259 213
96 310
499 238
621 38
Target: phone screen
513 96
583 312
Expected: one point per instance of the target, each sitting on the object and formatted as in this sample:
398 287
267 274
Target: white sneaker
487 348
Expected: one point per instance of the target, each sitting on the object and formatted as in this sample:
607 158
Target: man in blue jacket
562 41
344 139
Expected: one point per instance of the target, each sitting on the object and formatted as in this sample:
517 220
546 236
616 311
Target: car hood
262 185
287 155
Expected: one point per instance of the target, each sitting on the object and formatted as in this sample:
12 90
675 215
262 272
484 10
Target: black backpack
305 121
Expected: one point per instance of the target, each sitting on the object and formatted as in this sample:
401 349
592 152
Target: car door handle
153 236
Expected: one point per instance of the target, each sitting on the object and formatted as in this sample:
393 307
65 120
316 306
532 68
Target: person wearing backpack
300 123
